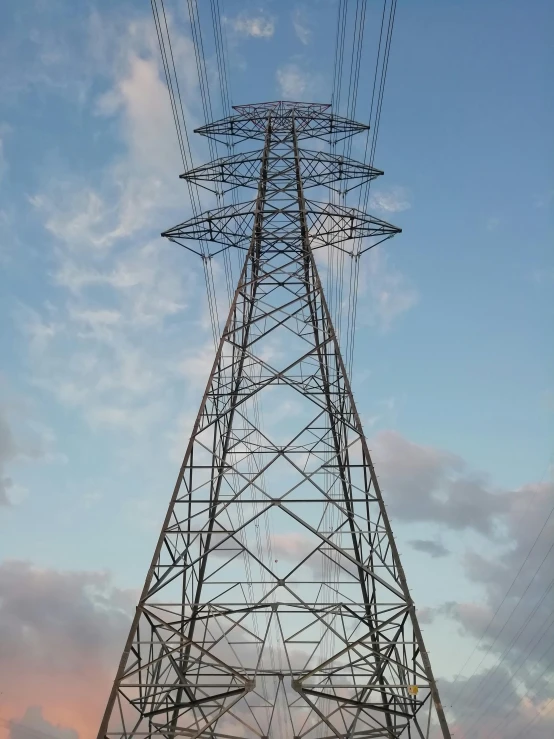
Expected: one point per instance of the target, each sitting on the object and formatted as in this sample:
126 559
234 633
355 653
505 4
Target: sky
106 341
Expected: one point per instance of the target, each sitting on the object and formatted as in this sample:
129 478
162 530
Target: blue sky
105 334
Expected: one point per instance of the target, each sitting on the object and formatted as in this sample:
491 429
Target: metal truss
312 120
328 225
276 606
316 168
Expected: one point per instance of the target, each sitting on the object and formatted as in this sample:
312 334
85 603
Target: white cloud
22 439
8 452
61 634
141 181
301 25
391 200
107 347
384 293
179 435
196 366
255 26
294 83
111 357
388 292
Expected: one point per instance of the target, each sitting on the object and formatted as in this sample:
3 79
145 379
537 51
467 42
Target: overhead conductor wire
476 690
172 79
376 106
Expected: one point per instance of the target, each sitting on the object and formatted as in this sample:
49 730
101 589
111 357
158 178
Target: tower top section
281 107
311 120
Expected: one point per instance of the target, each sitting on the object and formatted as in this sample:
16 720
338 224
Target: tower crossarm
317 168
329 225
312 121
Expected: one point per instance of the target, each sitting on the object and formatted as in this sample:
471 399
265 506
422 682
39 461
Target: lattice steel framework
276 605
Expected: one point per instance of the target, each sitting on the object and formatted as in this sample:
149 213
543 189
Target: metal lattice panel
316 168
312 120
236 634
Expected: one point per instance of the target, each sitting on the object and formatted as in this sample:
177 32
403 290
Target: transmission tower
276 606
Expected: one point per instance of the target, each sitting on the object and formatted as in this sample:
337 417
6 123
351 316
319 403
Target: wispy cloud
108 350
493 223
391 200
33 724
60 634
387 292
22 440
427 484
295 83
3 160
302 25
434 548
105 345
8 452
253 26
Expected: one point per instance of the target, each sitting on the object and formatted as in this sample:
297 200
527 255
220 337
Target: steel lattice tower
276 605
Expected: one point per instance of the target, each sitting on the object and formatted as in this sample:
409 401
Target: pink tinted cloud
60 637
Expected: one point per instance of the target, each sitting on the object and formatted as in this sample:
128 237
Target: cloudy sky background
106 342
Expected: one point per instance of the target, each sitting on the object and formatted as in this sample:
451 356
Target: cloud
21 440
301 25
294 546
391 200
422 483
253 26
8 452
179 436
493 223
34 726
426 615
3 161
196 366
61 634
136 184
434 548
389 293
509 713
295 83
384 293
106 344
516 627
112 363
507 678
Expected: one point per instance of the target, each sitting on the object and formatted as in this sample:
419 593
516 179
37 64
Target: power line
174 90
388 16
464 688
506 718
487 698
220 44
514 609
549 706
